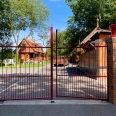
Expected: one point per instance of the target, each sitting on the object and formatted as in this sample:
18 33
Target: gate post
111 42
51 44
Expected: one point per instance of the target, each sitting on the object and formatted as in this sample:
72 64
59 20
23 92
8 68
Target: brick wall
111 42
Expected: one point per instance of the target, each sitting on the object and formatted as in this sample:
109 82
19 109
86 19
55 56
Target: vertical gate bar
20 67
56 61
32 81
101 73
83 60
107 74
42 78
97 63
100 66
79 76
106 71
95 59
89 64
92 70
6 83
11 76
2 71
94 67
27 74
42 86
98 49
51 44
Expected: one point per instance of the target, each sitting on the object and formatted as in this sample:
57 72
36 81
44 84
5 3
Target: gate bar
51 44
56 61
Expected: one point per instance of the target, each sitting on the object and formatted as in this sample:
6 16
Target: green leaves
86 13
4 23
27 13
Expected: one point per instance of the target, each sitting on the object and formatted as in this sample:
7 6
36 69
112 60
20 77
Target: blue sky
59 15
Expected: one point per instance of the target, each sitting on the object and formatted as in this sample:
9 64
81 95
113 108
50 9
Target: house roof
96 30
34 47
88 37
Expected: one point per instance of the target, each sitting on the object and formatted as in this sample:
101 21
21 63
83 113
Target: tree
54 47
5 29
62 44
23 14
5 34
86 13
6 53
32 14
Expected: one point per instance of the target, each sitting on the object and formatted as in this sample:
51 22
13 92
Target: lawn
26 65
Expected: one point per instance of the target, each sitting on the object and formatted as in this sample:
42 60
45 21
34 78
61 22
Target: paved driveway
62 107
33 83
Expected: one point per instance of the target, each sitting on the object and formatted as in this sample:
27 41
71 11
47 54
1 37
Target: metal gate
26 71
85 74
81 71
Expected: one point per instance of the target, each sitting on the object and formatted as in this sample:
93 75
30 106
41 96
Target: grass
26 65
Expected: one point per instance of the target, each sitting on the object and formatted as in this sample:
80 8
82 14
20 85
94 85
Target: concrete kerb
54 102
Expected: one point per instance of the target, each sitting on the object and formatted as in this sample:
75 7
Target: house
94 59
91 59
30 50
96 34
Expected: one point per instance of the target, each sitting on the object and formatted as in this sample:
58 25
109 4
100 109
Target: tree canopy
17 15
32 14
86 13
4 23
61 43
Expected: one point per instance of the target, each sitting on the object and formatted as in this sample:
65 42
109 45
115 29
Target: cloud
54 0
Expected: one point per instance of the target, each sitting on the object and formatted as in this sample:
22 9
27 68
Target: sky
59 15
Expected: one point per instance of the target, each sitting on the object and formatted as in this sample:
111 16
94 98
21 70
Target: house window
31 55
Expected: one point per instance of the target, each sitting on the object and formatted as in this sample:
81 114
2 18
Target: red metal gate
85 75
81 72
28 74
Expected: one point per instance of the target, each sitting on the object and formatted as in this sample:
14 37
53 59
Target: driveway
33 83
37 84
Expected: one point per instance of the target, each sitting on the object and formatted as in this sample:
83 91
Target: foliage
48 49
32 14
26 65
6 53
85 16
49 45
113 18
4 23
26 14
62 45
